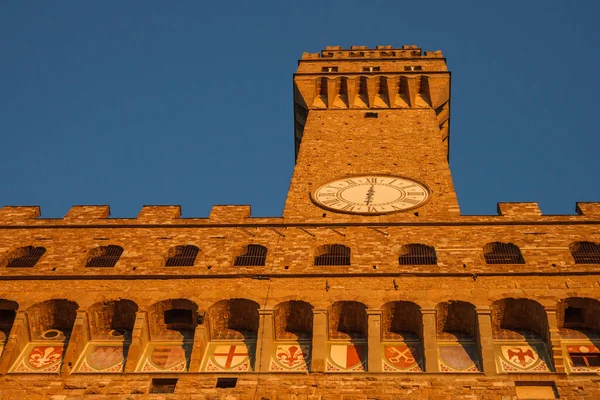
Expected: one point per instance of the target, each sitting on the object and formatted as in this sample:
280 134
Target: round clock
371 194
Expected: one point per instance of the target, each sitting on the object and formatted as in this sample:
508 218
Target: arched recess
520 330
294 320
235 319
50 324
172 326
457 335
293 337
348 328
110 325
233 330
8 312
579 327
402 327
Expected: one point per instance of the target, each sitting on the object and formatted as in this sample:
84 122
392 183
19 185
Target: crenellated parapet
241 215
384 52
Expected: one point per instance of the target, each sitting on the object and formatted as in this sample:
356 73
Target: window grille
256 255
163 385
585 252
417 254
335 254
105 256
502 253
25 257
182 256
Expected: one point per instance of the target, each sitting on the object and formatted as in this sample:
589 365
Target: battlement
388 51
241 214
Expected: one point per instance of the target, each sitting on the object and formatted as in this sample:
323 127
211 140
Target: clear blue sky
190 102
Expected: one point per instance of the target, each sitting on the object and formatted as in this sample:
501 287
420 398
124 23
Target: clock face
371 194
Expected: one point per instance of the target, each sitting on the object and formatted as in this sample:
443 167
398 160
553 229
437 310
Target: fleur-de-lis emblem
44 356
291 356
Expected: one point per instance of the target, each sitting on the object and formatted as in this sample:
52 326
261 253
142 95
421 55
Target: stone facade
503 306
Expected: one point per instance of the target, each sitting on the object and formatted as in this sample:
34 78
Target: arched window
182 256
417 254
104 256
333 254
502 253
25 257
585 252
255 255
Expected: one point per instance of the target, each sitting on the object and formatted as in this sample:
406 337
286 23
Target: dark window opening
585 359
371 115
104 256
226 383
574 316
182 256
502 253
25 257
372 69
336 254
329 69
256 255
163 385
179 319
585 252
417 254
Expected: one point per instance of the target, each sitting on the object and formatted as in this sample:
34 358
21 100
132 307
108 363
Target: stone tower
371 285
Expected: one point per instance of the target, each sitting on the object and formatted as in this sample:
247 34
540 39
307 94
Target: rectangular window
372 69
371 115
226 383
536 390
585 359
163 385
329 69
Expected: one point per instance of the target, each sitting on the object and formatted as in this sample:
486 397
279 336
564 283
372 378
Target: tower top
379 52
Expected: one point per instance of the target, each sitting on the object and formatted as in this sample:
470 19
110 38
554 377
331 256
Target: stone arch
348 320
111 318
51 315
402 320
233 319
172 319
579 313
332 254
293 320
524 316
456 319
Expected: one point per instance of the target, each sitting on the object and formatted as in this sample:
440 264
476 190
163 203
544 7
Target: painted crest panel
459 357
523 358
230 357
166 358
291 357
40 358
104 357
402 357
346 357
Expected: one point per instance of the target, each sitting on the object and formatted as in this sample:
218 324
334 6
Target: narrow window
104 256
371 115
25 257
372 69
329 69
502 253
417 254
585 252
182 256
335 254
255 255
226 383
163 386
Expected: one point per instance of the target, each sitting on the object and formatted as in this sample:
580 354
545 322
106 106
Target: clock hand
370 194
